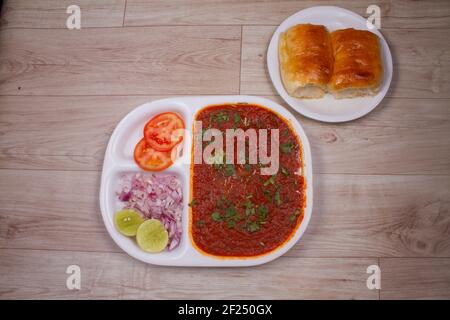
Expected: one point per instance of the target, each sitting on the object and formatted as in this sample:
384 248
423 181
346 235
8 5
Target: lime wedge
152 236
128 221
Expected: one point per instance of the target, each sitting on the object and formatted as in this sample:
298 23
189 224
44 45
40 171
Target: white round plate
119 160
329 109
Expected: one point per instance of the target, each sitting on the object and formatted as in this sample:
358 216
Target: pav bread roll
306 60
357 69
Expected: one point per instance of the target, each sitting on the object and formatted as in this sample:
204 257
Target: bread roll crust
306 60
357 69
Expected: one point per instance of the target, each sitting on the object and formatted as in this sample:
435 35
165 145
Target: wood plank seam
187 94
120 251
379 266
196 25
316 173
385 292
124 13
284 256
240 61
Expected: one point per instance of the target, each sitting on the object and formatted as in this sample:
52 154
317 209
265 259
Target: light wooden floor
382 183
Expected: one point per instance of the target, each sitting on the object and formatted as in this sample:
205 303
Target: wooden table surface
382 183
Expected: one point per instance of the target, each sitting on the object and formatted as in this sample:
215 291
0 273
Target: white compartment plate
119 159
329 109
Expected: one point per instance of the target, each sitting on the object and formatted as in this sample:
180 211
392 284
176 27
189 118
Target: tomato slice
150 159
164 131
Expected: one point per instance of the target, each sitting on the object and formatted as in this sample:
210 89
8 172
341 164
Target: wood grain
415 279
96 61
45 142
52 210
412 135
41 274
353 215
52 13
421 62
395 14
381 183
378 216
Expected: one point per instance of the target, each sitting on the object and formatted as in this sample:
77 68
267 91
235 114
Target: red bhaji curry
236 211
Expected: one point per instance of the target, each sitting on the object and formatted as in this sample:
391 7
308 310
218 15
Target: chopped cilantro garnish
230 212
221 117
271 180
231 224
262 210
229 170
237 118
284 171
293 216
216 216
277 197
253 226
286 147
249 212
248 204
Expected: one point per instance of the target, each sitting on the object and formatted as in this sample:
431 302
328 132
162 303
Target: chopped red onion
155 196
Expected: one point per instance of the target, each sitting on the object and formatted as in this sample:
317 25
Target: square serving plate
119 160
